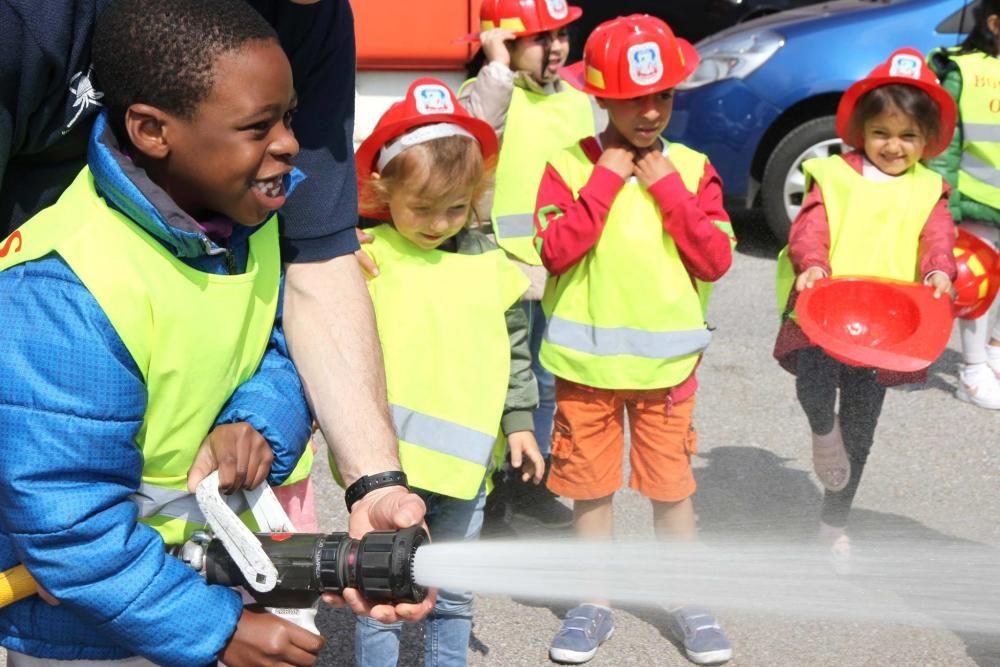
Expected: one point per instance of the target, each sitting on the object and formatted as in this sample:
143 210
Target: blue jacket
71 404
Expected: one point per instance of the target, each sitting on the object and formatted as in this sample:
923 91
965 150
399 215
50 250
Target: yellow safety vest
538 126
442 324
161 309
628 315
979 109
874 225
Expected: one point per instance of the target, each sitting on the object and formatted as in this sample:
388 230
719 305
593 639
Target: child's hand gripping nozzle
285 571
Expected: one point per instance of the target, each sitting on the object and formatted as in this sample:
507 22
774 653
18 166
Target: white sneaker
978 385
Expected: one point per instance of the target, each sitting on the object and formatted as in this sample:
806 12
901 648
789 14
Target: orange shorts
588 443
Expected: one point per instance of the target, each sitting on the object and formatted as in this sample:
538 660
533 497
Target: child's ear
376 176
145 126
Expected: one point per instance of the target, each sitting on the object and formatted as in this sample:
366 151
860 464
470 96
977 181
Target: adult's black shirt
48 103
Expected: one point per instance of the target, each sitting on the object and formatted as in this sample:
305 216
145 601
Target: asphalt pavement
933 475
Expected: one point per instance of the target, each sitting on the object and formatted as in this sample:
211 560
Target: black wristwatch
365 484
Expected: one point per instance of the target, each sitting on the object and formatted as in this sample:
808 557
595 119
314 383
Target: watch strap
365 484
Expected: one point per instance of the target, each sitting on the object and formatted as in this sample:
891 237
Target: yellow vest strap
607 341
979 169
155 500
442 436
520 225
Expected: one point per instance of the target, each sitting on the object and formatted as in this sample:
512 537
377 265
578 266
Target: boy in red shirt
632 230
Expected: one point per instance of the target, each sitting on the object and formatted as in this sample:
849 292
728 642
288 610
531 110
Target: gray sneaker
584 629
704 641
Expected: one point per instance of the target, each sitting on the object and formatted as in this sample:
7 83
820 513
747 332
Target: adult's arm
329 320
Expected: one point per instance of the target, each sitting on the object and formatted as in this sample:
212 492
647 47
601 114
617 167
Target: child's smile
231 156
893 141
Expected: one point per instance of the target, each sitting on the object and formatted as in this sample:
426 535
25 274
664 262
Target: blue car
765 95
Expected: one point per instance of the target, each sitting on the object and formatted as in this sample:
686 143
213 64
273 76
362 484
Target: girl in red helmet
518 90
874 211
971 163
632 229
453 335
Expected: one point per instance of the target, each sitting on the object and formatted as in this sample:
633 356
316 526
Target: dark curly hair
163 52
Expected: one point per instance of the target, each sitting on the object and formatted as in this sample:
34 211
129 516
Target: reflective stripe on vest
875 226
178 504
537 127
442 323
161 309
609 326
443 436
978 176
603 342
515 226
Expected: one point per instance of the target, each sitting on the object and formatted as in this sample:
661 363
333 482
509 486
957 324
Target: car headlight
733 57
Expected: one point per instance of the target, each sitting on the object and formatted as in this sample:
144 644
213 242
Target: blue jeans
545 412
448 627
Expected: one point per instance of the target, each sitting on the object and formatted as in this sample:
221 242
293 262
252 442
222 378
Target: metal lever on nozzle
236 544
288 571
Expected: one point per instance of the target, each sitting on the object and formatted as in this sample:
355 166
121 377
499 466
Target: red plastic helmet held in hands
876 323
632 56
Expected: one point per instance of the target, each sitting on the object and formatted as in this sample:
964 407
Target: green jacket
522 390
946 164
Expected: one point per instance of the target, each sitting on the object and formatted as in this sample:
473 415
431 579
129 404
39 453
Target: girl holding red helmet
632 230
970 164
446 304
875 211
518 90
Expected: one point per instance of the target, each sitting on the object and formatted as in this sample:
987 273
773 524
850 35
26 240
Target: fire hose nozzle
379 565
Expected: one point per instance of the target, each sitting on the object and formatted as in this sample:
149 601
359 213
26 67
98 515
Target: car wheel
783 186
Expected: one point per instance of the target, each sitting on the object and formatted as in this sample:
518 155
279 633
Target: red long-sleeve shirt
809 239
574 224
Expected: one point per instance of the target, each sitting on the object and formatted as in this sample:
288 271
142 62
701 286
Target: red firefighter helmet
905 66
428 102
632 56
978 276
524 17
876 323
